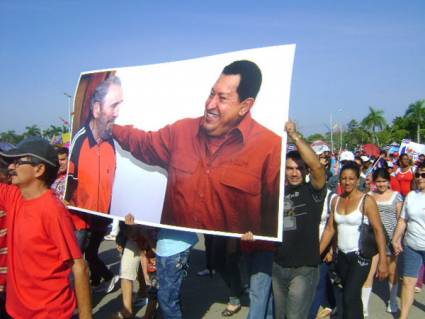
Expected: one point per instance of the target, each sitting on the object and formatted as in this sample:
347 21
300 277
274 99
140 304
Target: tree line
371 129
34 130
374 129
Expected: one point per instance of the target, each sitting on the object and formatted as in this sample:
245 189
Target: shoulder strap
363 200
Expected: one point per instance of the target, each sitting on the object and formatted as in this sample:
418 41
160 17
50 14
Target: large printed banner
187 144
411 148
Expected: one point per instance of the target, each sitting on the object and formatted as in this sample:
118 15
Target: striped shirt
388 213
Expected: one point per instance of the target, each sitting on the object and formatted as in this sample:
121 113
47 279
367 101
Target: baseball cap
390 164
346 156
34 146
320 149
365 158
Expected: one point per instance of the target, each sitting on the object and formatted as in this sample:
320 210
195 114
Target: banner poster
186 144
411 148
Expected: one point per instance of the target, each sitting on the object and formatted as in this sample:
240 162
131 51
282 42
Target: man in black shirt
295 269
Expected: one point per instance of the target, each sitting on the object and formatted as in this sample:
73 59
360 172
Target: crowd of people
293 279
325 266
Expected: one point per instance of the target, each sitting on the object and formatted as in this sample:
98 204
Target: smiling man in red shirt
42 248
223 167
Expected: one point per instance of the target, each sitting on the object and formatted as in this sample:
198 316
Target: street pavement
205 297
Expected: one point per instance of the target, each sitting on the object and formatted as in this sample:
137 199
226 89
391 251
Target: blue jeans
171 271
82 239
324 293
293 290
259 266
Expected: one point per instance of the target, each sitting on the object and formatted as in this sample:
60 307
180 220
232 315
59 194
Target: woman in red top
405 174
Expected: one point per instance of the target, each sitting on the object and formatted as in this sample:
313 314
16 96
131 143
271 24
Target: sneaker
110 237
111 286
392 308
100 287
417 289
140 302
206 272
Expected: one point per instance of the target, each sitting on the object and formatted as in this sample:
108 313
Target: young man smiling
42 248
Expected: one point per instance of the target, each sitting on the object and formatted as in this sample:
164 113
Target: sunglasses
417 175
20 162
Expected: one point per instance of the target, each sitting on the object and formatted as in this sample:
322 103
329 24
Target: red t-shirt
395 184
3 249
405 179
42 245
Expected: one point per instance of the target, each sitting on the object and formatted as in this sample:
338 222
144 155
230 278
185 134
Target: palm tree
416 113
32 130
52 131
375 119
10 137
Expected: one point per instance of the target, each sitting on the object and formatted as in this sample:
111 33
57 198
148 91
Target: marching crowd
348 218
303 277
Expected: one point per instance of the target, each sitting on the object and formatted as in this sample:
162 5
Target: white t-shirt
413 213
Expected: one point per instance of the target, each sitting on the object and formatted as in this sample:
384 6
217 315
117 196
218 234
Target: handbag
367 242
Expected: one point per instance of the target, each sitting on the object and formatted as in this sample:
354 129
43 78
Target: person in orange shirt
91 175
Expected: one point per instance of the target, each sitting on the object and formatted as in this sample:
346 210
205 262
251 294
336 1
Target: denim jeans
82 239
324 293
171 271
293 290
259 266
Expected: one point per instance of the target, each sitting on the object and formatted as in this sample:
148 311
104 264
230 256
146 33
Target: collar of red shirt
243 128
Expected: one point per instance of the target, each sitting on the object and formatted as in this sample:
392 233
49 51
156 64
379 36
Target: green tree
52 131
10 137
416 114
373 121
32 130
355 135
315 137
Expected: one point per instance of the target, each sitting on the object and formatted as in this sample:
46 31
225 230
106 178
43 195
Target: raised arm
317 171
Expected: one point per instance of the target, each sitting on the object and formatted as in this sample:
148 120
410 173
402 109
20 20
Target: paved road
205 297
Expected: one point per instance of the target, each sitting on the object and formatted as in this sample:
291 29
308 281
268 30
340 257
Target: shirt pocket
184 165
241 180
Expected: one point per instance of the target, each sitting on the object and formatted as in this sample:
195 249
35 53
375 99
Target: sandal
119 315
228 313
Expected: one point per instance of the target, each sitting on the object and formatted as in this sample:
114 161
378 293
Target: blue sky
350 54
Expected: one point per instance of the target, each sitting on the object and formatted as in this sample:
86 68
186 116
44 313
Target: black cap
34 146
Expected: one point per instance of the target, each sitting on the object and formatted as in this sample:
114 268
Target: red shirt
3 249
405 179
42 245
395 185
234 189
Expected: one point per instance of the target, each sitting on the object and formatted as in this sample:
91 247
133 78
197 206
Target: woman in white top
389 205
345 219
412 224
